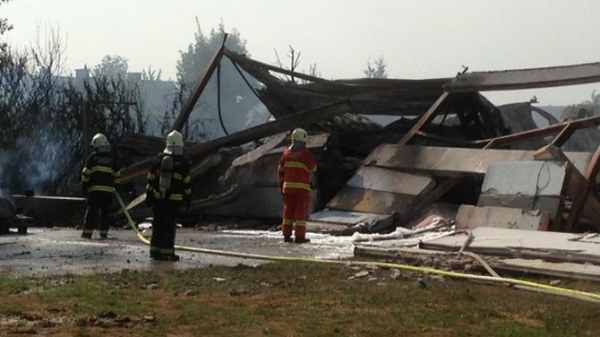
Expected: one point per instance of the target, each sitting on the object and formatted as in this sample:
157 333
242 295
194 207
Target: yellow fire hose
577 294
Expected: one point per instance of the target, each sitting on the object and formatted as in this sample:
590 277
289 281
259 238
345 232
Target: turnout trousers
162 244
98 205
295 213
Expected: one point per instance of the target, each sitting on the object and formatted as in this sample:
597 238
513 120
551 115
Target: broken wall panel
470 217
370 201
525 185
346 223
385 180
260 151
550 246
256 174
444 161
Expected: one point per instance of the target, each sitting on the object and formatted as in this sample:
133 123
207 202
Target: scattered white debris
145 225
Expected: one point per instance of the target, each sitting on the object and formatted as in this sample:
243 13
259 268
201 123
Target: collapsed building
450 152
452 173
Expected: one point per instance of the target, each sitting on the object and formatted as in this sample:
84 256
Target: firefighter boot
286 229
300 229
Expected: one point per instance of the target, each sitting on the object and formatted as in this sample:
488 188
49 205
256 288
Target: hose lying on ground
576 294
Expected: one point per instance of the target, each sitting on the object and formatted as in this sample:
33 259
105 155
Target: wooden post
424 120
564 135
199 88
579 203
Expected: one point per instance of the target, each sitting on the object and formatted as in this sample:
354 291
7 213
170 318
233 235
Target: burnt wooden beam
242 60
487 143
424 119
582 197
199 88
198 151
518 79
299 119
445 140
547 131
563 136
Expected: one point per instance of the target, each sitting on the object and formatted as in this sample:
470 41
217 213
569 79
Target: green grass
292 300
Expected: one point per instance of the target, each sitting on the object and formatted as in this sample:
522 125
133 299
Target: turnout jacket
295 168
99 173
169 179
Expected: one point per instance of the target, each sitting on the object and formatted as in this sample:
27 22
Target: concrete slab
343 217
260 151
549 246
345 223
580 271
444 161
370 201
470 217
526 185
531 178
385 180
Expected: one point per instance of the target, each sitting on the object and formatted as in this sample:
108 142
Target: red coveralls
295 168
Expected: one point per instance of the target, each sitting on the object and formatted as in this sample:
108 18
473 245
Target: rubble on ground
452 167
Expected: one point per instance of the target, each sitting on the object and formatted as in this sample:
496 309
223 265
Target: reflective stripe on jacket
295 169
99 173
181 184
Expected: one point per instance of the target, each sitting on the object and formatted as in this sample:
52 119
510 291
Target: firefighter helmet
299 135
174 143
100 142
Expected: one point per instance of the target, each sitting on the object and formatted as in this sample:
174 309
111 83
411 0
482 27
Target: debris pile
451 153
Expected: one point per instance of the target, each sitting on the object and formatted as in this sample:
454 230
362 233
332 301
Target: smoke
36 163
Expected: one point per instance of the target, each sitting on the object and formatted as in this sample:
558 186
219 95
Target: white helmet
174 143
299 135
100 142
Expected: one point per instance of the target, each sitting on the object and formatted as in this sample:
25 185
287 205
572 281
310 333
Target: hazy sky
417 38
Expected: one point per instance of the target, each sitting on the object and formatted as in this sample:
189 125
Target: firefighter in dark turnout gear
168 192
98 179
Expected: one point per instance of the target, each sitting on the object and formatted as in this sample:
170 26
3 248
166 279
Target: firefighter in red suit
295 169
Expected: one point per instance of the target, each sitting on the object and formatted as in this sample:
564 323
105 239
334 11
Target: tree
150 74
41 117
376 69
588 108
4 27
111 66
236 98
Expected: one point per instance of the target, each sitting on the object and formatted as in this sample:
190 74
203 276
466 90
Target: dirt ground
290 299
52 283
